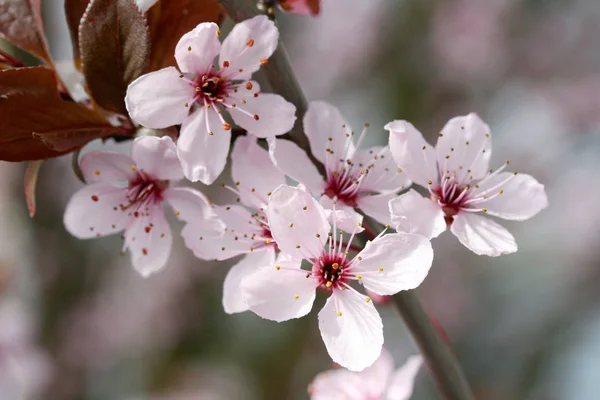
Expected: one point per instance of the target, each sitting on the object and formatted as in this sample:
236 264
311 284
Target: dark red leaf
33 80
74 10
175 18
21 24
115 48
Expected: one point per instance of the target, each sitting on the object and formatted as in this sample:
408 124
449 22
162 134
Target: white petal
412 153
338 384
240 226
251 166
482 236
414 213
91 211
158 99
203 156
233 298
265 115
351 329
248 43
376 206
293 161
298 223
194 208
157 157
280 294
345 218
149 240
375 379
323 121
522 196
383 174
402 382
196 50
466 139
394 262
107 166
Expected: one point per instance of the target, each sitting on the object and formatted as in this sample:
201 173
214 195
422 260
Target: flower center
143 192
211 87
342 186
330 271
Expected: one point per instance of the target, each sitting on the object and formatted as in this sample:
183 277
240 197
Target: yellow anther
177 213
380 269
359 277
133 168
291 224
429 182
328 284
98 172
277 267
387 226
424 147
335 265
218 32
484 209
339 313
296 296
368 299
268 241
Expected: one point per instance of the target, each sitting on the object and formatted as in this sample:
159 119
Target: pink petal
394 262
375 379
159 99
248 43
293 162
338 384
281 291
298 223
384 175
157 157
253 169
203 156
522 196
351 329
345 217
412 153
265 115
107 166
194 208
482 236
402 382
414 213
233 297
376 206
467 142
148 238
196 50
239 228
95 210
323 121
303 7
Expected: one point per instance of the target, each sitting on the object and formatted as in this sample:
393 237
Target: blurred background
77 322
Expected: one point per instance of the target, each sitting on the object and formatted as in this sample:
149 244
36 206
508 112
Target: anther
95 198
249 85
250 42
225 64
226 126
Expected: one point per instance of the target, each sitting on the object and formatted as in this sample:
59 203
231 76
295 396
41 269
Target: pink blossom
127 194
196 96
304 7
378 382
367 179
460 186
247 228
350 325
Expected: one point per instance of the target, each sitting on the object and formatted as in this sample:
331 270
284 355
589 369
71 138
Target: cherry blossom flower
350 325
461 186
367 179
197 96
247 230
106 206
378 382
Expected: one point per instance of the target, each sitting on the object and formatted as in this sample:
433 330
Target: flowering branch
442 363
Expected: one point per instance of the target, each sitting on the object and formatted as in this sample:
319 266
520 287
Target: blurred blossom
469 38
24 368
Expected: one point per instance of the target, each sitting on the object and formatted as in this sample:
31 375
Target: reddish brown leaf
21 24
30 183
37 127
301 6
33 80
175 18
115 49
74 10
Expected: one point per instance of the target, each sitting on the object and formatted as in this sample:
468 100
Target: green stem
438 356
442 363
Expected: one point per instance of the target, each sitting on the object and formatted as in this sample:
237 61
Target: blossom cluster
302 238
